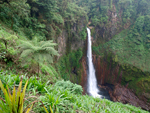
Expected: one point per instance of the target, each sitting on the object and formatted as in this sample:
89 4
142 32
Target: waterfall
92 88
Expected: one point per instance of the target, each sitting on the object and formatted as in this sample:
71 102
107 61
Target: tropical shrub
62 97
13 103
67 85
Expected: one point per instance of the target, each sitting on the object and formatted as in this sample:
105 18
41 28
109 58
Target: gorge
103 45
116 91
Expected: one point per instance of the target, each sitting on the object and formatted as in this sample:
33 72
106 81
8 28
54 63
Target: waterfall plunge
92 82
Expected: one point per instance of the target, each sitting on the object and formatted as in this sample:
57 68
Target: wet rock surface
107 74
104 93
84 75
114 92
126 96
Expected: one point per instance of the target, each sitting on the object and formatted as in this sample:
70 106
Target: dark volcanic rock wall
106 72
109 72
127 96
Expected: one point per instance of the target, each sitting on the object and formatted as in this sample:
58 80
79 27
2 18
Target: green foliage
139 24
63 96
9 54
50 70
7 44
69 65
83 33
34 83
73 88
96 10
13 13
13 102
58 19
131 52
61 99
131 46
45 19
40 52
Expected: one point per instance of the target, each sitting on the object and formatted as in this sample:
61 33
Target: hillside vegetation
130 47
30 33
63 96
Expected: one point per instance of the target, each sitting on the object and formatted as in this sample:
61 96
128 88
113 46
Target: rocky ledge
124 95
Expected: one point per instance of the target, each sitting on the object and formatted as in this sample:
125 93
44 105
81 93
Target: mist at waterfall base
92 87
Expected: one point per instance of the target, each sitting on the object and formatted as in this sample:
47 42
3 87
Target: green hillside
63 96
44 41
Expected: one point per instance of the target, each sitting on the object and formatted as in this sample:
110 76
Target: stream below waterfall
92 87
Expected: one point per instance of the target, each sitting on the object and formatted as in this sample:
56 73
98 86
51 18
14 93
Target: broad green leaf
14 106
51 109
18 95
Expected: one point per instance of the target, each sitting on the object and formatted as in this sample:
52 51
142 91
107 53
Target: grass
64 97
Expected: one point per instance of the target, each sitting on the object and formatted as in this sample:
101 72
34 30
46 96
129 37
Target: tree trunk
38 69
12 22
6 45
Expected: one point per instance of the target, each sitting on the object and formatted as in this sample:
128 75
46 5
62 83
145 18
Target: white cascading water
92 82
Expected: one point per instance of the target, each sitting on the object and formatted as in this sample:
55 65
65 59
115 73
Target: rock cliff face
64 41
109 72
84 75
129 81
120 76
71 47
70 38
106 31
126 96
126 88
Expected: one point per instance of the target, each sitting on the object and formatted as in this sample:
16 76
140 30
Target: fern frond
25 45
26 53
43 42
51 50
48 58
48 44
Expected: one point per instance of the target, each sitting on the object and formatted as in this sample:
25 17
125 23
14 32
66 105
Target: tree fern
40 52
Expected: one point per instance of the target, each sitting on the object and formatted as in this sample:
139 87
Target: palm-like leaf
27 47
39 51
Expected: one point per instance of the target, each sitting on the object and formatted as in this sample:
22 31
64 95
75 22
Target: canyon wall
129 79
110 72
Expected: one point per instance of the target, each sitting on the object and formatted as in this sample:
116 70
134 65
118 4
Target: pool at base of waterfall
92 88
103 93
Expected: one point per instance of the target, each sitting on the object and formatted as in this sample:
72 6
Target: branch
2 100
